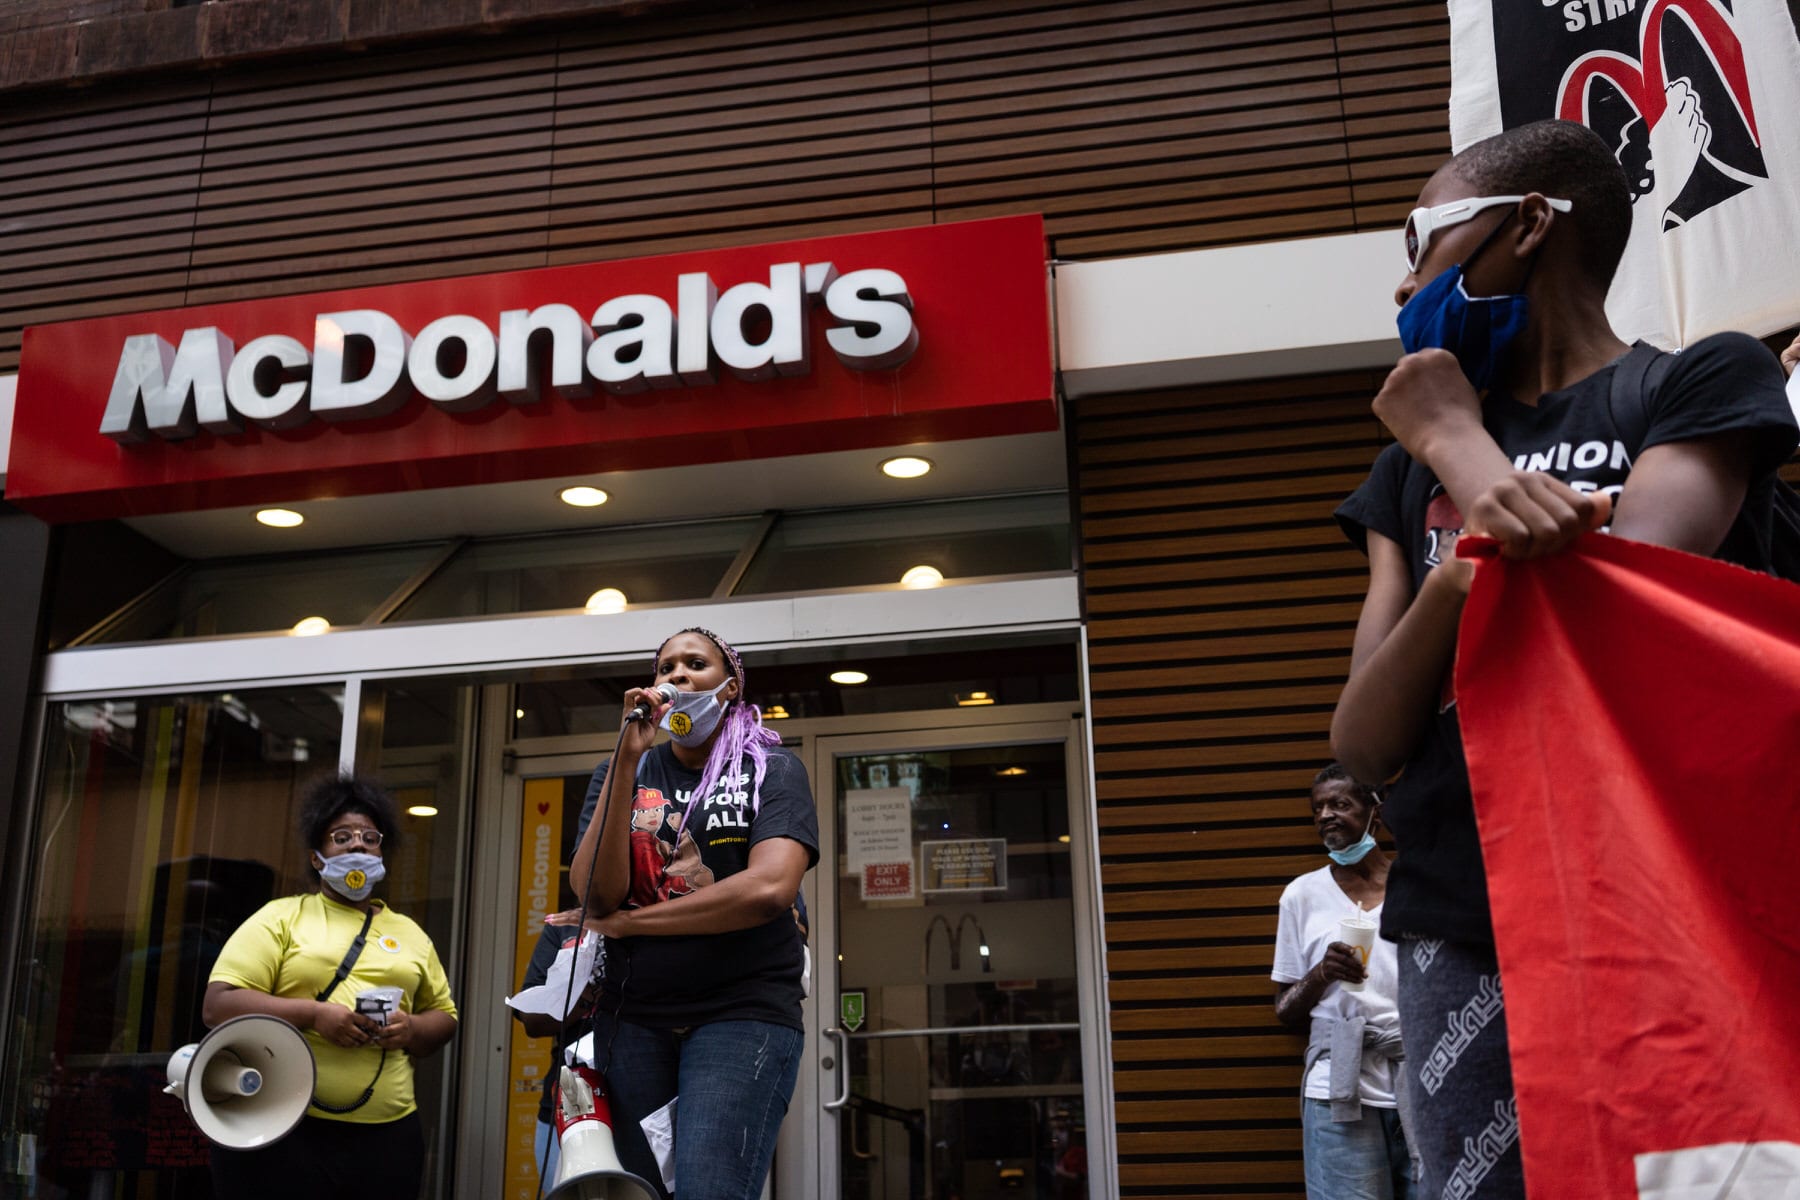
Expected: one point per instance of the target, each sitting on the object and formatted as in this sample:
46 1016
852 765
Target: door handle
843 1065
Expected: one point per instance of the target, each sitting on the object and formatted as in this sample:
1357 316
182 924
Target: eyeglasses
1421 223
343 837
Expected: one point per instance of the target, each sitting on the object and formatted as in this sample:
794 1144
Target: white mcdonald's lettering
367 345
363 364
569 339
452 363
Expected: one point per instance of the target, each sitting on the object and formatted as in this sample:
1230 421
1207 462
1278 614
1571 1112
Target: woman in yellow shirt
308 959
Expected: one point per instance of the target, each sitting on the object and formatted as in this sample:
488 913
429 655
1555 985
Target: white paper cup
1359 935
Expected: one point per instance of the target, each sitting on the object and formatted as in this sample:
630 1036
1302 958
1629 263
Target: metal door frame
807 1157
507 649
806 1154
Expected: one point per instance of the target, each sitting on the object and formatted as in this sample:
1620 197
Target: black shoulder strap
350 956
343 971
1635 379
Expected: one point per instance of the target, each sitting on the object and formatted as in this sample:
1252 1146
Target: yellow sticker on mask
354 878
680 724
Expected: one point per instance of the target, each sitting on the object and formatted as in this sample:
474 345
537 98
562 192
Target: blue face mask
353 876
1477 329
1350 855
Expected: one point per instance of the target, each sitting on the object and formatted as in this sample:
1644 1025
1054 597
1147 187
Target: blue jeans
734 1080
1355 1160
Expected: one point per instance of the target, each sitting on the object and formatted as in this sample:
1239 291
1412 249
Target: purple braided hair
741 730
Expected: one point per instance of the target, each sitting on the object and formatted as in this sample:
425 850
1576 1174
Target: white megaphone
588 1168
247 1083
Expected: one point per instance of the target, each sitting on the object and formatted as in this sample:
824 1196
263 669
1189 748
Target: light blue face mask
694 715
1350 855
353 876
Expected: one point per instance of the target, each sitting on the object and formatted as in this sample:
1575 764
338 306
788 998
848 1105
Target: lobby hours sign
1699 100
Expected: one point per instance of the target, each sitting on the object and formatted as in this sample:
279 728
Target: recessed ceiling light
606 600
776 713
1010 771
582 497
921 577
907 466
974 700
849 677
279 518
311 626
422 810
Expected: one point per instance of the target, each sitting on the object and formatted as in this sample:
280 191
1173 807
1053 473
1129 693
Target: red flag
1631 717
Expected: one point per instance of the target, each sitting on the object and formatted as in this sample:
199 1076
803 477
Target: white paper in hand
659 1131
554 997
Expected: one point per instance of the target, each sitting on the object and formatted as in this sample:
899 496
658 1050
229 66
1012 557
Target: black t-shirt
1725 383
751 974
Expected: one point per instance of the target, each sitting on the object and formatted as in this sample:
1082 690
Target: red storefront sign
898 337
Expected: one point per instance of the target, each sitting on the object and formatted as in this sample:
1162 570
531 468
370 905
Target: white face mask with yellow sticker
694 715
353 876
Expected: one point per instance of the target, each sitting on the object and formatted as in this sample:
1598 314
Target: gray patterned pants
1465 1119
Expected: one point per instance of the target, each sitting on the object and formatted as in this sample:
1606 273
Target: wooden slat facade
1220 596
1221 600
1133 126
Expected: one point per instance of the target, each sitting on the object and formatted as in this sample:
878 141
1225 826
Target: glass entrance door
951 1048
543 801
951 1003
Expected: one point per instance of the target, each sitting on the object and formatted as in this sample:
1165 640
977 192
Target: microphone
662 693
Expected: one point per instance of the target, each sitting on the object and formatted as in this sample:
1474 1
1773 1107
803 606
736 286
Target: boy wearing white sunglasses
1518 408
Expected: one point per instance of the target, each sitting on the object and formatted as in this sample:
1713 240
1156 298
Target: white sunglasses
1421 223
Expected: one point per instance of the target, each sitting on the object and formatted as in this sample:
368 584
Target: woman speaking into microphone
693 873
